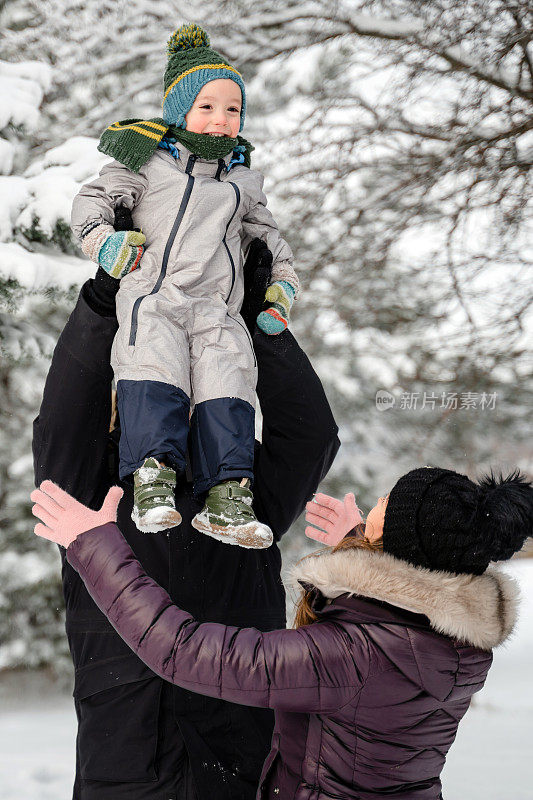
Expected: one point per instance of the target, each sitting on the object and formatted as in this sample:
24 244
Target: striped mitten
117 252
121 252
280 297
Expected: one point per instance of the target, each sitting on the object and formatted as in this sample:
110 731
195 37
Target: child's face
217 109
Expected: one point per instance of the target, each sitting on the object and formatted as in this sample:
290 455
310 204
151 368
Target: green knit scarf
134 141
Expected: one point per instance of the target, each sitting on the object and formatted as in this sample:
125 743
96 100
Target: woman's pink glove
64 518
336 517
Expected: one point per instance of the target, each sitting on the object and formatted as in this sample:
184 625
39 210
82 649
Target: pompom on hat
192 64
441 520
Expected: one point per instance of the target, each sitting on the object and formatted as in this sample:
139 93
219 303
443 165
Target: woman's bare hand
333 518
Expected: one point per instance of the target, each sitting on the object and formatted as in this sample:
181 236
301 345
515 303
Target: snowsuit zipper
238 198
238 194
168 248
247 332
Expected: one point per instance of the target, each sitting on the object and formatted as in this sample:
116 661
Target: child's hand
64 518
335 517
280 297
121 252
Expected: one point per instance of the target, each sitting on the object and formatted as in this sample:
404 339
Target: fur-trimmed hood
480 610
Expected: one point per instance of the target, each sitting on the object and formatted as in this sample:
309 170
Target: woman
397 631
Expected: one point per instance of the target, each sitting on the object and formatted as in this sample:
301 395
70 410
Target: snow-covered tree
401 150
38 278
396 137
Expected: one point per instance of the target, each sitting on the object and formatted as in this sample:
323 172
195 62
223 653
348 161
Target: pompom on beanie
441 520
192 64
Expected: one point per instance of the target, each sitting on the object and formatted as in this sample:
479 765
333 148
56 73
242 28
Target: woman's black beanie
439 519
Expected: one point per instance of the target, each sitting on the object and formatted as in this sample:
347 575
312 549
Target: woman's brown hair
113 420
304 614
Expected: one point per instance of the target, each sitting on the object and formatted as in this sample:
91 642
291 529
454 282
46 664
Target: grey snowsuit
181 342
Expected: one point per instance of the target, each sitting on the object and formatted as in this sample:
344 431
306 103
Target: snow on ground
37 751
490 759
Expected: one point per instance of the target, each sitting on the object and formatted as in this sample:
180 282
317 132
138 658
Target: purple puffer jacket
367 699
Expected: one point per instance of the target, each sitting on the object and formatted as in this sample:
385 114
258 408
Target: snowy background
396 137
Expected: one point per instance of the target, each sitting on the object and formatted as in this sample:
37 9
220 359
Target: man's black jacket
117 697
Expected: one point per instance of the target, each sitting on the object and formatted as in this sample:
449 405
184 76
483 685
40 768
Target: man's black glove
123 219
257 271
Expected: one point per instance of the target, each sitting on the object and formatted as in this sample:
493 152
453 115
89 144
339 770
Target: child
182 350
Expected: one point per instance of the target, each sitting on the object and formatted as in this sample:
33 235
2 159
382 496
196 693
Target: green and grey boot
154 508
228 516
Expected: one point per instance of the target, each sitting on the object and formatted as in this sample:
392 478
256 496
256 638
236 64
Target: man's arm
300 437
70 435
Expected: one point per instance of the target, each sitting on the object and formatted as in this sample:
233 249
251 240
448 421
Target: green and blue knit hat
192 64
